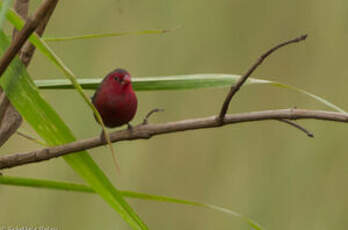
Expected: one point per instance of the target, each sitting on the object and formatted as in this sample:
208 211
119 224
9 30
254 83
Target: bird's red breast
115 99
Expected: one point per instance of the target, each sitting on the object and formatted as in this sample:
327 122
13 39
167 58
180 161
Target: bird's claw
129 127
102 136
146 119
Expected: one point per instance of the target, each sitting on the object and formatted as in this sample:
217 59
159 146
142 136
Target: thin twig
147 131
30 138
294 124
148 115
241 80
29 27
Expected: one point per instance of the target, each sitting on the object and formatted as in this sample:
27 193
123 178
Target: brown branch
4 102
149 130
29 27
241 80
28 49
21 7
10 119
10 123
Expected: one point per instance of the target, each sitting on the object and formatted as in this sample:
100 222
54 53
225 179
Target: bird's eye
119 79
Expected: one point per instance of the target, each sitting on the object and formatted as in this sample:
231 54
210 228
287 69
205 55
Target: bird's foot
102 137
146 119
129 126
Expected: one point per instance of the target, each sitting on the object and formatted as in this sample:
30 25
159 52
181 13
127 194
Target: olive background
267 170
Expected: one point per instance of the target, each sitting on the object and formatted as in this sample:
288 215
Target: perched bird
115 99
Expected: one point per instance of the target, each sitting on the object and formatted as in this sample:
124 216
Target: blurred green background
266 170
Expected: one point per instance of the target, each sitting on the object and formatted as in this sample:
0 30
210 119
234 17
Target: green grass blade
24 95
103 35
48 184
6 5
181 82
315 97
48 52
144 196
57 185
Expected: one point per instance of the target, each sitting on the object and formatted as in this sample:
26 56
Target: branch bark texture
149 130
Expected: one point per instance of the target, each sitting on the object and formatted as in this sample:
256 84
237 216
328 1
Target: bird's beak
127 79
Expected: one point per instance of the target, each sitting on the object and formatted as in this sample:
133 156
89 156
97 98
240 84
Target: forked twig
234 88
148 115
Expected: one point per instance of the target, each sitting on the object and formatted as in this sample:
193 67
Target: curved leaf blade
24 95
59 185
182 82
103 35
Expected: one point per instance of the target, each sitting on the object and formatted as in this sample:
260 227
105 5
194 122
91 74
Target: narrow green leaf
181 82
103 35
57 185
3 11
48 184
24 95
144 196
174 82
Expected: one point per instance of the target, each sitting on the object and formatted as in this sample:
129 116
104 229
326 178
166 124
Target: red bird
115 99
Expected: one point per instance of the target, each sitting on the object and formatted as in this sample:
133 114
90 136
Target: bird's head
119 78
